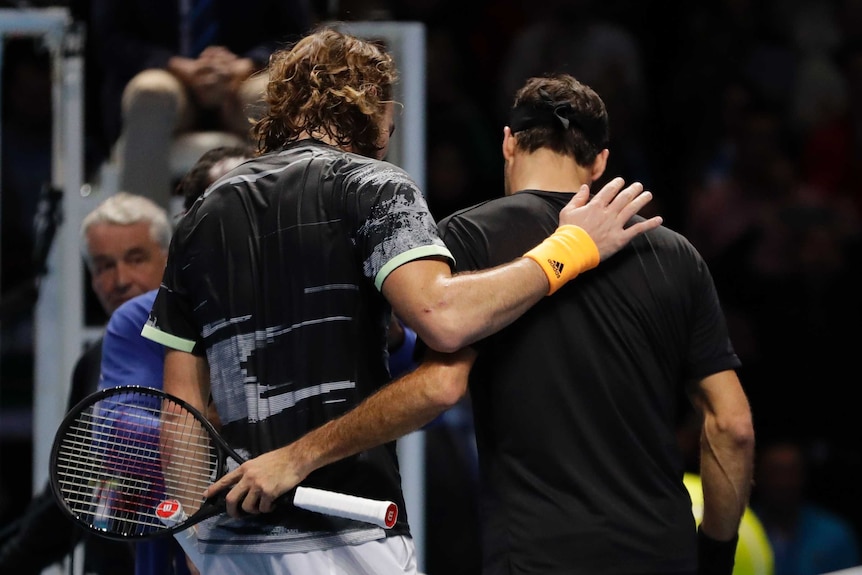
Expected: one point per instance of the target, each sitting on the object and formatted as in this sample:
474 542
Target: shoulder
522 213
363 172
130 317
353 170
526 203
667 238
136 308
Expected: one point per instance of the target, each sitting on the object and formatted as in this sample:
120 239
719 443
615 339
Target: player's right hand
605 216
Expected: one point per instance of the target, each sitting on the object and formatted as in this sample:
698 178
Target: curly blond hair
328 83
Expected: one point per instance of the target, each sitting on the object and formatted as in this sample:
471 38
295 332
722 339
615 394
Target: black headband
550 114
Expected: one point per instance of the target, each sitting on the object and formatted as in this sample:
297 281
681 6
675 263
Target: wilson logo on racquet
167 508
391 515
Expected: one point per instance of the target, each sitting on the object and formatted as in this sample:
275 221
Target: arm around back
400 407
450 311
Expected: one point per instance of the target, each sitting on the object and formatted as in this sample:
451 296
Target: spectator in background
212 165
171 66
832 151
129 359
806 539
125 244
742 185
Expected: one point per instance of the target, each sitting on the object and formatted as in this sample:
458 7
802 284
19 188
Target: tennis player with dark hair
277 297
576 403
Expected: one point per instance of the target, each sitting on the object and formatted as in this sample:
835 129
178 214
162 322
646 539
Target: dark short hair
195 182
558 112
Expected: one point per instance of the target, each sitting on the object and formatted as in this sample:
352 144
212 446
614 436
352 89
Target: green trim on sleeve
167 339
409 256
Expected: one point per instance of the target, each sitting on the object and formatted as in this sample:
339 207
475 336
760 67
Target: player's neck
322 136
548 171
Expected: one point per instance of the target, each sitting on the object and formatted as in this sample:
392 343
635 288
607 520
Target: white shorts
387 556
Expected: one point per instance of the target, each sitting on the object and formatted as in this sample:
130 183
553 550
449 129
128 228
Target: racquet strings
124 454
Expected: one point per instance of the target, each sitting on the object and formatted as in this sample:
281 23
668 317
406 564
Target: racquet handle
380 513
171 512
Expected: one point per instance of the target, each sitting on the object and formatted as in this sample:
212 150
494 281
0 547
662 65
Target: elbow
445 377
737 430
446 343
741 429
743 434
443 332
448 390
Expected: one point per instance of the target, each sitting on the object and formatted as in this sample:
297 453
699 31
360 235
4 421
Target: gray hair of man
125 209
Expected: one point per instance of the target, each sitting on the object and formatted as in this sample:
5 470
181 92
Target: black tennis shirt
575 403
275 274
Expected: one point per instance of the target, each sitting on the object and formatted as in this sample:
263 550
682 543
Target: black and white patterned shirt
275 274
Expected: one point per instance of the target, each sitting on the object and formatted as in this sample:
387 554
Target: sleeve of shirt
711 350
171 322
467 242
394 224
128 358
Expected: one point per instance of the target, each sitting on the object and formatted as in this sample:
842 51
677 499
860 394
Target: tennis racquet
126 458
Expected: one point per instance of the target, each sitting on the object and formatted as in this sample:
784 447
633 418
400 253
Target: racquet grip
380 513
170 512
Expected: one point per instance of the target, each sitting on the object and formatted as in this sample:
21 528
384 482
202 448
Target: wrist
564 254
715 557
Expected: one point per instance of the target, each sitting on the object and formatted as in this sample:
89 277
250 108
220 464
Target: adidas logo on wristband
557 267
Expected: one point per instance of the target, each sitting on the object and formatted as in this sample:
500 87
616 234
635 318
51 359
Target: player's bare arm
452 311
727 452
186 376
395 410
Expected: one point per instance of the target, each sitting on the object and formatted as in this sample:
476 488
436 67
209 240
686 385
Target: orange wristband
564 254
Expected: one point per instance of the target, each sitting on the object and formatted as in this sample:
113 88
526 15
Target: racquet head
125 459
121 452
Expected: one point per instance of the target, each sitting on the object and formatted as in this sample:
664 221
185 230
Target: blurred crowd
743 117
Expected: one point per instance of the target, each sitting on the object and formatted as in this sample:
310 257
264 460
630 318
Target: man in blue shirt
129 359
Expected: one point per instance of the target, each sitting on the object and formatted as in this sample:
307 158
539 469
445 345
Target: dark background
743 117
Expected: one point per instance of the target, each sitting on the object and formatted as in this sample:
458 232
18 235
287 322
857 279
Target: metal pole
406 41
59 309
